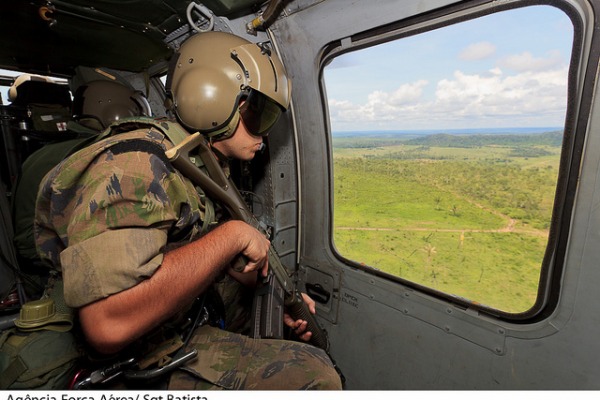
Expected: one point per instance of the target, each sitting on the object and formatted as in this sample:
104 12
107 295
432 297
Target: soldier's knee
328 380
324 375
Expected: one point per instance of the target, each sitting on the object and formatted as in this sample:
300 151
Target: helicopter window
7 78
446 151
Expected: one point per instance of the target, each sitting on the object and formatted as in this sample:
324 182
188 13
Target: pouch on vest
49 117
42 359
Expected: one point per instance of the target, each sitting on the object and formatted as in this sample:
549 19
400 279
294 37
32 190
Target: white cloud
496 71
529 92
405 95
466 100
477 51
527 62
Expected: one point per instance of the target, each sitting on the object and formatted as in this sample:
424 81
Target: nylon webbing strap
12 372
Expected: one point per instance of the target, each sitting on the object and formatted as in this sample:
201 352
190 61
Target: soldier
137 244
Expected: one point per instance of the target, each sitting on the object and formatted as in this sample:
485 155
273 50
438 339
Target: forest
466 215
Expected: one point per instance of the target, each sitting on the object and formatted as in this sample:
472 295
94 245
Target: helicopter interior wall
386 335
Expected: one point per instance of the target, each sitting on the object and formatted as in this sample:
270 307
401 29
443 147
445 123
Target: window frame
570 159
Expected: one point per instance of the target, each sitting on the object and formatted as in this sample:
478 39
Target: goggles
259 113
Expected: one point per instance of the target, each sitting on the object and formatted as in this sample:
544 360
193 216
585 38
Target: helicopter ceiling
55 37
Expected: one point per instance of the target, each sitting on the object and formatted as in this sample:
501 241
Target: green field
469 217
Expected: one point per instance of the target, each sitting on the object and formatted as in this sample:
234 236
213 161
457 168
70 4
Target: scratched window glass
446 149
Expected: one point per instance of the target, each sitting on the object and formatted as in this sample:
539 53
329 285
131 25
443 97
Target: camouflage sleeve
113 213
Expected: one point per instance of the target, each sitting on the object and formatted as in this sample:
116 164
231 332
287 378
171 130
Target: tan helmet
213 72
97 104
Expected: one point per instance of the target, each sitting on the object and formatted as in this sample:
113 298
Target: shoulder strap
15 366
8 256
170 129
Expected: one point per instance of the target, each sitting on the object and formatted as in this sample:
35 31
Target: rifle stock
218 186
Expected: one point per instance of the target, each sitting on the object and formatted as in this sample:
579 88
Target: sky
508 69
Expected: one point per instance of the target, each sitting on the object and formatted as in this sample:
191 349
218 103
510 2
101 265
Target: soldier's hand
255 250
299 325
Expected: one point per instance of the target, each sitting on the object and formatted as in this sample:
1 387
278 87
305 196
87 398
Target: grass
471 222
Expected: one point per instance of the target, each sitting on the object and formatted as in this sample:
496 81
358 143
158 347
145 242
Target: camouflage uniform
104 217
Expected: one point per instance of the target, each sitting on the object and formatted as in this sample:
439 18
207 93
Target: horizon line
455 130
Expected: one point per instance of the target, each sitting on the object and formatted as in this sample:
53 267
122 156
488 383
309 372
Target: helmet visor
259 113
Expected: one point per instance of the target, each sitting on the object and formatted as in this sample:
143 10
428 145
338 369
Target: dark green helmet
97 104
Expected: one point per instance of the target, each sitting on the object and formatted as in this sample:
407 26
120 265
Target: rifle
277 287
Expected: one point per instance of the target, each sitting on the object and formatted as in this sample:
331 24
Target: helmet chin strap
219 134
227 131
220 156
